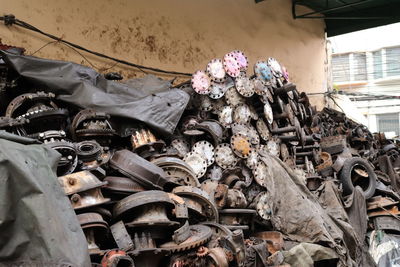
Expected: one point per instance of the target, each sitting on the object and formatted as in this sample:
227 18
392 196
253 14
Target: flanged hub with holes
224 156
285 73
244 85
201 82
225 116
231 65
263 71
214 173
240 144
217 90
268 113
242 114
275 67
197 162
263 130
242 59
233 98
262 173
252 159
262 206
215 69
181 146
203 102
273 147
206 150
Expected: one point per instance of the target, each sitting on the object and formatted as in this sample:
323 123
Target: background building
371 78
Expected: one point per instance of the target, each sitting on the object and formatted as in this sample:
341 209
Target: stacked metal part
199 197
357 158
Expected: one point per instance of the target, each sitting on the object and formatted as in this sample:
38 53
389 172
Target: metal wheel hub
224 156
201 82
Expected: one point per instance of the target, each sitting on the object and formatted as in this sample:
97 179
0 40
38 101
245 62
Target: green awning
344 16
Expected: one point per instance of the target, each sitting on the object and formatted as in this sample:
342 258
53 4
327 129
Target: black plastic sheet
149 99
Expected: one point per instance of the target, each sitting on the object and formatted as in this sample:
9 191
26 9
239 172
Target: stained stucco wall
181 35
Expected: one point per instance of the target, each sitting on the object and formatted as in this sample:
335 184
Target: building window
360 66
388 123
393 61
377 61
340 68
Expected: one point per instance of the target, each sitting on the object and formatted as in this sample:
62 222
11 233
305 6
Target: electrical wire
75 50
43 46
91 64
334 101
10 20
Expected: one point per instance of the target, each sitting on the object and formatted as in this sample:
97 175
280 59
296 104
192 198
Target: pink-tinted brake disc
241 59
231 65
201 82
215 69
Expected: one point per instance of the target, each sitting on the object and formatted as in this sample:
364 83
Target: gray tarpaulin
298 214
356 208
149 100
38 226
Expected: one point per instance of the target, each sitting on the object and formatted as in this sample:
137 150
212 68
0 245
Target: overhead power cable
10 20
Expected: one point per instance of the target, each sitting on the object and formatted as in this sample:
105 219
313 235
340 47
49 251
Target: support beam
323 11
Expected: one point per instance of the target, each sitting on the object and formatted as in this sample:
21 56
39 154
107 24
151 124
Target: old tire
367 184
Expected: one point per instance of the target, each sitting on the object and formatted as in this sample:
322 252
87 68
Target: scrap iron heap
201 196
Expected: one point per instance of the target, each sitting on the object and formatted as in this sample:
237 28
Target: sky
367 40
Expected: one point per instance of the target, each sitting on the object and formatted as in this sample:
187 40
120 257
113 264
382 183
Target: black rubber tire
345 177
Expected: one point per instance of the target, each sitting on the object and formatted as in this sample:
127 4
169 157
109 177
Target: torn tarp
149 100
298 214
305 254
38 226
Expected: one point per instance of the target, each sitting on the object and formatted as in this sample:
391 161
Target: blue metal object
263 71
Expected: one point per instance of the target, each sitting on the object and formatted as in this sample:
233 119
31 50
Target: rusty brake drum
135 167
200 196
177 171
123 207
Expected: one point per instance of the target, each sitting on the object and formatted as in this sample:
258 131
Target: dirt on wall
178 35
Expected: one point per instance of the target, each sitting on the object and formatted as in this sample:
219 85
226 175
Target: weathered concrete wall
181 35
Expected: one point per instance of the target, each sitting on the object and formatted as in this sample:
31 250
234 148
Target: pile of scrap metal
252 175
